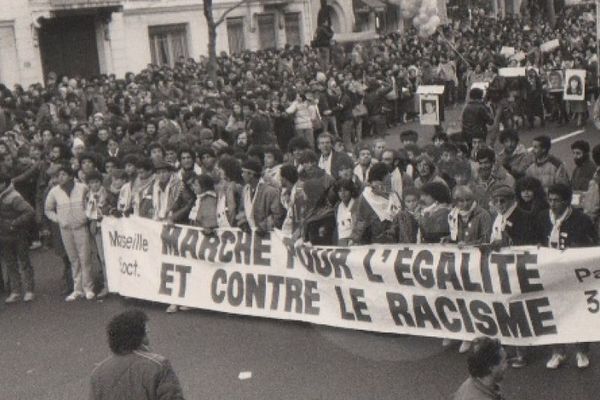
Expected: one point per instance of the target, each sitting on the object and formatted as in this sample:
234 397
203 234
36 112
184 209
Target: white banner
523 296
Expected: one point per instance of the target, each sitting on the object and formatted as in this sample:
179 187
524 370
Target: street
49 348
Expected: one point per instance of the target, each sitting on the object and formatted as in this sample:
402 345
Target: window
168 43
235 35
292 29
267 32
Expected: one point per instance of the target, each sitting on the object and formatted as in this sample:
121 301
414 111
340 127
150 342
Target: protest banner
507 51
521 295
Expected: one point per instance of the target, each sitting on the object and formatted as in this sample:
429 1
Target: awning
366 6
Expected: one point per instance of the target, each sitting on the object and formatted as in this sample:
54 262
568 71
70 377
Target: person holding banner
469 225
260 208
433 218
512 226
564 227
487 364
376 210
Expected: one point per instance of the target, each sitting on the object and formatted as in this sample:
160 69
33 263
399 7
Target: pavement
48 348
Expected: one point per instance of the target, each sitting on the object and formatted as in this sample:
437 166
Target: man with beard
584 167
487 364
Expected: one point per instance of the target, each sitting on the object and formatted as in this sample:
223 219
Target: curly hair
126 331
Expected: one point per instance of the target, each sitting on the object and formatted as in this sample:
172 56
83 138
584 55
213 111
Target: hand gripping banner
521 295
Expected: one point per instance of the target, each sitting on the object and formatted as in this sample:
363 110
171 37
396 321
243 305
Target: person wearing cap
487 363
260 208
15 215
65 205
564 227
584 167
165 191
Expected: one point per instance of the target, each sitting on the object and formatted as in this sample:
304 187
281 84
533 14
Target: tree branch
230 9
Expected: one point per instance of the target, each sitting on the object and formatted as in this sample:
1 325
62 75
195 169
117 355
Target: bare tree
212 33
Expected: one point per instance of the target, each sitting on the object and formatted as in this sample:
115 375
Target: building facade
90 37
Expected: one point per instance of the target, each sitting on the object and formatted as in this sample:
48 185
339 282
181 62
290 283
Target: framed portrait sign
429 109
574 84
556 80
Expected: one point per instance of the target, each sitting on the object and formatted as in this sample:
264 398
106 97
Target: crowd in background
285 139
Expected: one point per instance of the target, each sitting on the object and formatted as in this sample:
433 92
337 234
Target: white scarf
454 216
344 219
222 209
554 239
500 223
362 176
396 182
249 205
386 209
197 204
124 202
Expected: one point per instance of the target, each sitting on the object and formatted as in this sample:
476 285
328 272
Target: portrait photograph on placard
574 84
429 110
556 80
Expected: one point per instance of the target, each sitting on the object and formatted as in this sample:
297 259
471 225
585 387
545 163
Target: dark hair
564 191
94 175
581 145
274 150
126 331
298 143
349 185
476 94
206 182
88 155
204 150
544 141
289 172
485 154
132 159
146 164
308 156
231 168
156 145
485 354
66 168
509 134
378 172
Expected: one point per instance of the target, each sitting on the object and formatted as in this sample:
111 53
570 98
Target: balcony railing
74 4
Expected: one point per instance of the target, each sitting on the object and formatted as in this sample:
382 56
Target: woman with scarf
469 224
376 211
563 227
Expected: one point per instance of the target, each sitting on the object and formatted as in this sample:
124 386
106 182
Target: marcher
133 371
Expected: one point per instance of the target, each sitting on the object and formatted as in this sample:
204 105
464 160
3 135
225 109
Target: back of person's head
206 182
126 331
146 164
349 185
378 172
509 134
298 143
308 156
476 94
485 354
289 173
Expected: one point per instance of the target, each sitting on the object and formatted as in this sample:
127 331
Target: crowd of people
286 139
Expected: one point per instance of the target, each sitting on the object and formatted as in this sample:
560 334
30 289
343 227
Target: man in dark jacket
133 372
15 215
330 161
476 116
584 167
564 227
